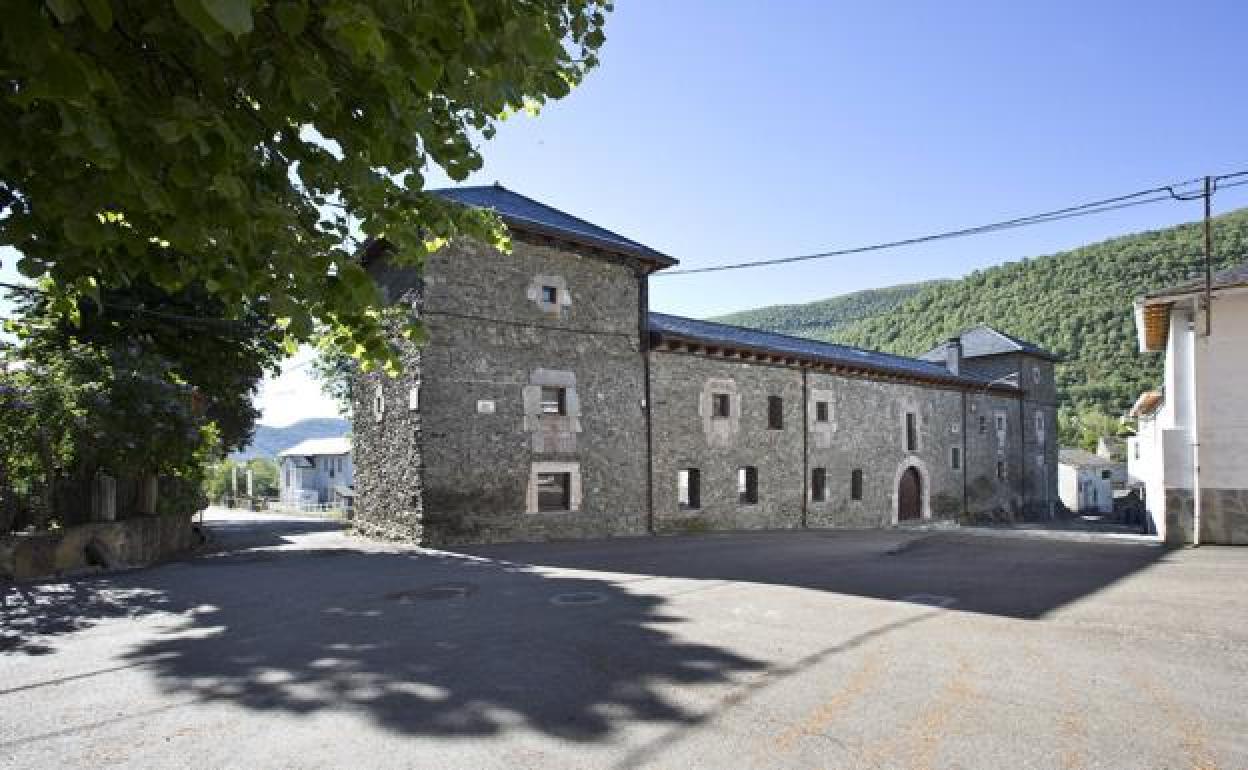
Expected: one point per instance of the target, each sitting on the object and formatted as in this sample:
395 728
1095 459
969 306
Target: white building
1191 446
1085 481
317 471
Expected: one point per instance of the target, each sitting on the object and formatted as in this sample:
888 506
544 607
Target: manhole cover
930 600
578 597
434 592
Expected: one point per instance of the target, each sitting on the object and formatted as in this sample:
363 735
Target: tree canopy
243 146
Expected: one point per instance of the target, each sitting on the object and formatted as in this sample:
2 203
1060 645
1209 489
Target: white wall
1222 374
328 471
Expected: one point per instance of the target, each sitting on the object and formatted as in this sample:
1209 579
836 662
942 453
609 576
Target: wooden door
910 496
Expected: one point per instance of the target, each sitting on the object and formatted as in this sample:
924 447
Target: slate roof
983 340
1081 458
1223 279
726 335
318 446
524 213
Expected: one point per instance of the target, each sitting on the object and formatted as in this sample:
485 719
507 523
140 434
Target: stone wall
1223 521
493 342
869 434
688 435
125 543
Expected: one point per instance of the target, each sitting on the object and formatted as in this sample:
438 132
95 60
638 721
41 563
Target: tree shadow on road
423 644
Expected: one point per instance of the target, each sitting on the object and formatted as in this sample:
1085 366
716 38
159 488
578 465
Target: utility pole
1208 258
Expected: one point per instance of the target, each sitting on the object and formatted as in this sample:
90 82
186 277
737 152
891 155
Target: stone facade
540 408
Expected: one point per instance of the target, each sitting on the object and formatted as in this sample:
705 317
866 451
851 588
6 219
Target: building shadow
1014 577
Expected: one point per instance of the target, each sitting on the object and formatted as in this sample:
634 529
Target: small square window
955 458
554 491
818 485
1106 475
821 411
855 485
689 488
721 405
775 413
550 295
747 485
554 401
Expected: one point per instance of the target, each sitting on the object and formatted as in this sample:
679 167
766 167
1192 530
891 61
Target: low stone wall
128 542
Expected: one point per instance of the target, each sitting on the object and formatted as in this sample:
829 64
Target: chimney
953 355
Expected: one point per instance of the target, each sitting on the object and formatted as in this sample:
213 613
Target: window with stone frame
554 491
775 413
554 401
855 484
721 405
689 488
818 485
821 411
747 485
1000 423
550 295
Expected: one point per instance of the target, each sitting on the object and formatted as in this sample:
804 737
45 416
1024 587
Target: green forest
1075 303
816 319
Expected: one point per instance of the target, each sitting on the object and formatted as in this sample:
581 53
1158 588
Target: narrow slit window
747 485
818 485
554 491
855 485
1000 470
721 405
554 401
775 413
955 458
689 488
912 433
821 411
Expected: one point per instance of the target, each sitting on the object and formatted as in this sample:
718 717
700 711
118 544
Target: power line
1140 198
207 320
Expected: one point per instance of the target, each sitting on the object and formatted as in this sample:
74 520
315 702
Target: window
554 491
1000 470
747 485
1136 449
1040 423
818 485
1035 375
775 413
379 404
1000 422
955 458
1106 475
550 295
855 485
983 424
821 411
689 488
912 433
554 400
721 405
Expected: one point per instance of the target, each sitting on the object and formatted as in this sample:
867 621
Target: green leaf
234 16
101 13
291 17
65 11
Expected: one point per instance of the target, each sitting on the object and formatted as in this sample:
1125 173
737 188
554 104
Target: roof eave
641 254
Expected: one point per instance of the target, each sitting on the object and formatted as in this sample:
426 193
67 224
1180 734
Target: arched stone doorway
910 495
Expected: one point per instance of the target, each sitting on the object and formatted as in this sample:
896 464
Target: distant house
317 471
1085 481
1192 436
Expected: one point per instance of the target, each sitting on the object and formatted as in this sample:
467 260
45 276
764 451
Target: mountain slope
269 440
1076 303
826 315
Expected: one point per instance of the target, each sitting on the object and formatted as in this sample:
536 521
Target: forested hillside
826 315
1075 303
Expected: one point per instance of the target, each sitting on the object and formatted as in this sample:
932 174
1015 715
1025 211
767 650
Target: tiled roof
983 340
318 446
524 213
1223 279
725 335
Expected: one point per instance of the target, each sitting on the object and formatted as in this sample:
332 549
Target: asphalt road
302 646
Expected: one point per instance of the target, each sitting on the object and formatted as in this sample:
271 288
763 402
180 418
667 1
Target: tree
243 146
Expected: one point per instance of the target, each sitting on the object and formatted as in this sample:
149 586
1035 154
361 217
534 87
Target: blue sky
729 131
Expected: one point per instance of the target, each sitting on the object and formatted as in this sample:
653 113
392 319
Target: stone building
549 402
